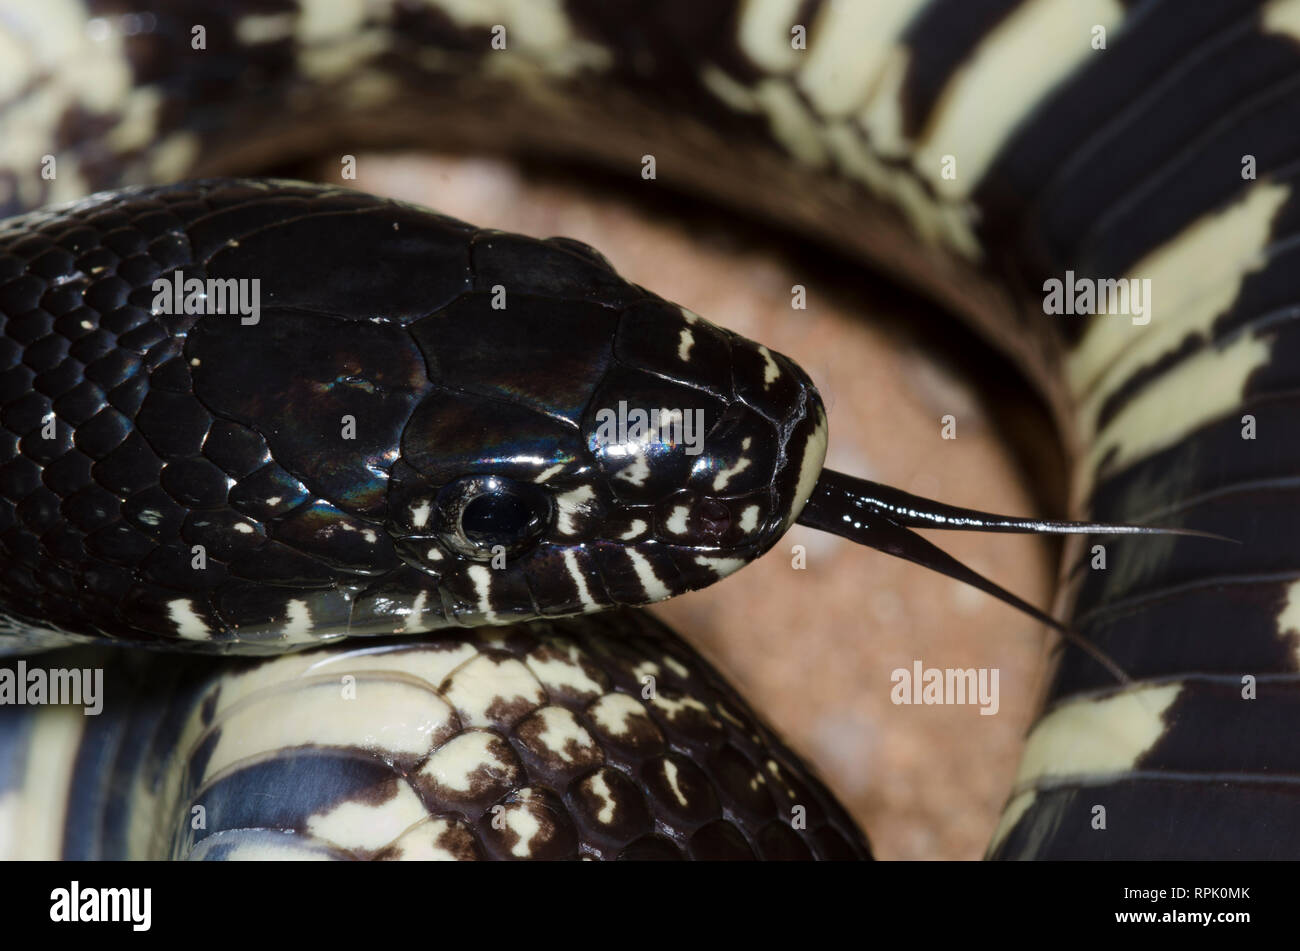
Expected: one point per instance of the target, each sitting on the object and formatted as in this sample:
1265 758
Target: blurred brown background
813 649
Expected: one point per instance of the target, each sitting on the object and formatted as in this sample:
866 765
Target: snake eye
481 515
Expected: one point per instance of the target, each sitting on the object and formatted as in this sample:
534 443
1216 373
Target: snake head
596 447
430 424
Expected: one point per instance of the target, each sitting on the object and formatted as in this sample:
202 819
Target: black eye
480 515
500 518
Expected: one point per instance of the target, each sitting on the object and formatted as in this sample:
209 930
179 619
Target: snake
362 564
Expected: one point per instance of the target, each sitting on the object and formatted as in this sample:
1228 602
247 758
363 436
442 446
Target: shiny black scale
268 476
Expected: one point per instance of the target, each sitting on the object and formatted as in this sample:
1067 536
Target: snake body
985 152
501 743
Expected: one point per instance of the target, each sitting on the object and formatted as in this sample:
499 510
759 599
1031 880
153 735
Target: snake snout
773 386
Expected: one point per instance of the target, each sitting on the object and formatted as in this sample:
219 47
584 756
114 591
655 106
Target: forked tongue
882 518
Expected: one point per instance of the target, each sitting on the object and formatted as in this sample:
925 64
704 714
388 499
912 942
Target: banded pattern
599 738
1010 133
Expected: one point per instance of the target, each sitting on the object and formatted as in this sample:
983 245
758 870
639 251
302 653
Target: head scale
593 450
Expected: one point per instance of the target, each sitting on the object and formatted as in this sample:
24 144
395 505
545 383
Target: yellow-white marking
1196 276
616 712
10 821
1281 16
38 814
854 78
392 717
549 471
13 73
636 530
882 118
1011 814
672 708
1090 737
676 666
492 638
600 789
685 341
833 133
563 674
362 825
420 513
174 156
1198 390
337 58
485 681
414 622
676 521
277 675
265 27
71 62
473 755
638 471
849 43
579 581
790 122
773 766
539 36
670 773
481 575
737 97
258 845
1288 619
932 220
725 474
1037 46
569 506
561 732
421 843
298 626
764 34
810 468
430 665
644 669
327 20
139 121
749 519
720 566
655 589
189 625
521 821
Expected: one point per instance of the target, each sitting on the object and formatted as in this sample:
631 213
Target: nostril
715 517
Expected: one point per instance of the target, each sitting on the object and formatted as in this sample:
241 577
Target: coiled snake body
405 438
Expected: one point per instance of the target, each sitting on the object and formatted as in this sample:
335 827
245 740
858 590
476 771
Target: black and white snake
406 435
